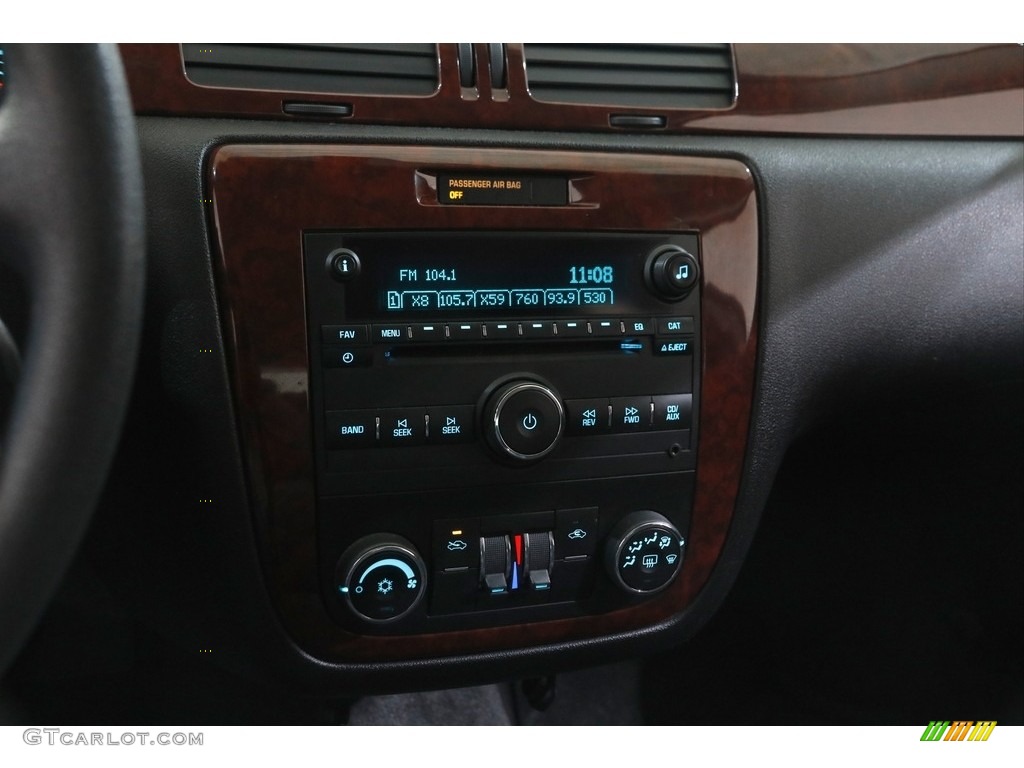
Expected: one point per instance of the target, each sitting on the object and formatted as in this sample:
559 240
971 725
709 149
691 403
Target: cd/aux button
673 411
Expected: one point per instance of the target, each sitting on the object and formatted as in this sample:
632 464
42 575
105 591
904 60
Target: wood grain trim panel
894 90
265 196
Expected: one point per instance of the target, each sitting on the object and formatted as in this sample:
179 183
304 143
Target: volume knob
523 420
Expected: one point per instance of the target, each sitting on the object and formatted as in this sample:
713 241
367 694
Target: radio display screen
428 275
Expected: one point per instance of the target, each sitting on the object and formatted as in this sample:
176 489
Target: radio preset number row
502 330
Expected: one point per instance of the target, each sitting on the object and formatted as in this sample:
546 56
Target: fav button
344 334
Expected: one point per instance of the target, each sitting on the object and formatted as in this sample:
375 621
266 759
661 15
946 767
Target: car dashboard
475 362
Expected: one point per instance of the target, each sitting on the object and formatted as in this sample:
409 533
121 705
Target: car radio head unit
526 402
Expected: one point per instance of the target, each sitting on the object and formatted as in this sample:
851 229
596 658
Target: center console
487 398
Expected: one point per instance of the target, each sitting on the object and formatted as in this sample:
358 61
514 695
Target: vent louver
380 69
688 76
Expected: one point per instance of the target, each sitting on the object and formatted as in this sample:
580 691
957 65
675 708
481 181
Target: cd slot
631 346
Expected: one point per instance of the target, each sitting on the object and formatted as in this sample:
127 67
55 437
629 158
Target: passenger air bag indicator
501 189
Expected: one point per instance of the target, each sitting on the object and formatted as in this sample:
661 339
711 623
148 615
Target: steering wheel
72 274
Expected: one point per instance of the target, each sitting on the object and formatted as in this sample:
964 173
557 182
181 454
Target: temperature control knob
381 578
672 272
523 420
644 553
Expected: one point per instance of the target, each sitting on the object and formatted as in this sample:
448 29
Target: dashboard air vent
687 76
382 69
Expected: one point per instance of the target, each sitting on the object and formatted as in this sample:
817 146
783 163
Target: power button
524 420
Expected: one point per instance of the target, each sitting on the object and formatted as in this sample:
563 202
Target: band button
351 429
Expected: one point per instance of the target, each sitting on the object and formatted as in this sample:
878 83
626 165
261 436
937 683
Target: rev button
586 417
